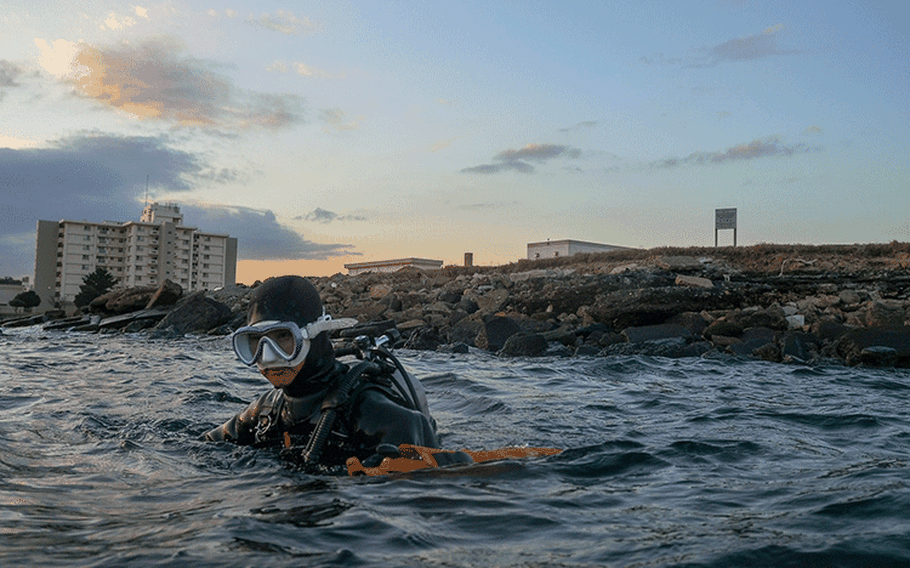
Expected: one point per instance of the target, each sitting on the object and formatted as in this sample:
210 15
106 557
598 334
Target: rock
772 317
829 328
696 281
656 333
878 356
852 344
378 291
492 301
725 340
649 306
494 333
123 300
795 321
195 313
849 297
586 351
725 328
459 348
797 347
624 268
679 263
524 344
124 320
467 305
166 294
884 313
424 339
410 325
694 322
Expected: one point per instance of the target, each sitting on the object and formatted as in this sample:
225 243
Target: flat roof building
392 265
143 253
566 247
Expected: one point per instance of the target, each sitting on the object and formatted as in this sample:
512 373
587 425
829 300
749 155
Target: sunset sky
324 133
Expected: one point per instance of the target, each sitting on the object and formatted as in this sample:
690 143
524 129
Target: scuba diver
326 414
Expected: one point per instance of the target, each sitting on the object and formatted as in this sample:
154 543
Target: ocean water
686 462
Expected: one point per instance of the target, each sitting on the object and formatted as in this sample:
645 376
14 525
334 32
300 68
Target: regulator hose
313 451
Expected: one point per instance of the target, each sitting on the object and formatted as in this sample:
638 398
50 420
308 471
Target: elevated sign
725 219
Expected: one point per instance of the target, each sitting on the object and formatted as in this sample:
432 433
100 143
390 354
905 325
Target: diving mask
281 343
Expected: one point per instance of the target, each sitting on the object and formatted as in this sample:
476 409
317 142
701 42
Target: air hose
330 407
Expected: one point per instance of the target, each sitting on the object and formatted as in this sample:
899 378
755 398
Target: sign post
724 219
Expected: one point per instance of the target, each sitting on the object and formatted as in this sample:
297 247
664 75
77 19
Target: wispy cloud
324 216
517 160
155 80
302 69
580 126
752 47
335 118
8 74
285 22
757 148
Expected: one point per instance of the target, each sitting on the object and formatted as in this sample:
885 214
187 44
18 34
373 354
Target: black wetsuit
374 414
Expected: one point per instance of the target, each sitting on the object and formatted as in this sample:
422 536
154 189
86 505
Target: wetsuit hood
295 299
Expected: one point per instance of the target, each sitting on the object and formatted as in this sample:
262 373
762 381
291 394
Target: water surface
685 462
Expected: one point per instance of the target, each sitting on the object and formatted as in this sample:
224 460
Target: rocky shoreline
781 303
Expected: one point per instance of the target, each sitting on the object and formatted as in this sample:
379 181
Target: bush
26 300
94 285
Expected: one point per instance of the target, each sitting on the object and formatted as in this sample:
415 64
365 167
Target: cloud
259 234
763 45
580 126
116 22
487 206
516 160
335 117
101 177
285 22
8 74
815 129
302 69
155 80
324 216
89 176
757 148
141 12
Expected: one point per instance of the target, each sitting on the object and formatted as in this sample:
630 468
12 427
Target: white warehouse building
566 247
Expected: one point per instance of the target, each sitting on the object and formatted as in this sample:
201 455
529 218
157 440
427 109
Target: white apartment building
143 253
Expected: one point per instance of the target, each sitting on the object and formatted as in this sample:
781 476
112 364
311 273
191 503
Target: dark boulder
753 339
167 294
852 345
196 313
657 333
495 331
525 344
425 338
724 328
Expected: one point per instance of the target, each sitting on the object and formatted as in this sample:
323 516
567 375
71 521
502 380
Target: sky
325 133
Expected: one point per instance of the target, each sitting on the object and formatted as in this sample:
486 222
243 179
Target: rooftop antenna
146 190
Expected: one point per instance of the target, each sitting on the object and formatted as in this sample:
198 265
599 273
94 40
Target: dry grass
760 258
